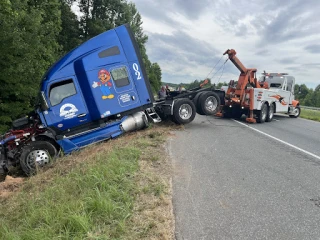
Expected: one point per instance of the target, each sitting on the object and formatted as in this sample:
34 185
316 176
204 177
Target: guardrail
311 108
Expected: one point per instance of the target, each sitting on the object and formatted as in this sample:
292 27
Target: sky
188 37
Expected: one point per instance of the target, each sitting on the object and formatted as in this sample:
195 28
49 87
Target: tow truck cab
283 85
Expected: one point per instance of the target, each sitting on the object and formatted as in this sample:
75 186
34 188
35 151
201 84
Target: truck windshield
275 81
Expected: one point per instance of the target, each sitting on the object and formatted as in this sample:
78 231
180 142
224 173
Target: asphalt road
233 182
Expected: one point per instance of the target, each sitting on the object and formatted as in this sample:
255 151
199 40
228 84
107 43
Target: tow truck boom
256 99
248 75
232 56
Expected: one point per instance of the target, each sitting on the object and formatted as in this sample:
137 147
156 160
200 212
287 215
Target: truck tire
270 113
296 111
209 103
197 103
262 114
36 154
184 111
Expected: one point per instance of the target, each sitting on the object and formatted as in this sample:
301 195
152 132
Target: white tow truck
259 99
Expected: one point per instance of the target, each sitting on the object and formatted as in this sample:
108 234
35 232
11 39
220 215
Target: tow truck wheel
37 154
184 111
296 112
262 114
209 103
270 113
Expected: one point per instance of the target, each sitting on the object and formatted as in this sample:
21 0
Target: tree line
195 84
36 33
307 96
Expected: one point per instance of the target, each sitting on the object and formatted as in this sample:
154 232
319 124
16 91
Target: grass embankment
310 114
119 189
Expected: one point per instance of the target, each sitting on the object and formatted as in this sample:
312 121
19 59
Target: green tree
69 36
301 91
220 84
155 77
28 46
135 20
309 100
101 15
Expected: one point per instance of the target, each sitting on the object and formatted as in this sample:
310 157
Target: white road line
279 140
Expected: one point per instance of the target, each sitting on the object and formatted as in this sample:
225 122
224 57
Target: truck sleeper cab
93 87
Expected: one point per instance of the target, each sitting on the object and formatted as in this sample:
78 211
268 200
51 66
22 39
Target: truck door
285 97
67 108
124 86
113 89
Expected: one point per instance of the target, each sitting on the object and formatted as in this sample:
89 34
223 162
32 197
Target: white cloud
188 37
76 9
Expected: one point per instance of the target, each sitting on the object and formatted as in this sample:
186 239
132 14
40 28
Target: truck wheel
262 114
270 113
196 101
296 112
209 103
37 154
184 111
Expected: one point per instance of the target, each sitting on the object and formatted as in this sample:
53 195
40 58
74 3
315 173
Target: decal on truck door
280 99
105 84
68 111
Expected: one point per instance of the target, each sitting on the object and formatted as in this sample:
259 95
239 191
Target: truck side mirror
299 89
43 102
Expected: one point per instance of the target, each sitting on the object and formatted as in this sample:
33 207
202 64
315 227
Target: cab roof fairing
64 66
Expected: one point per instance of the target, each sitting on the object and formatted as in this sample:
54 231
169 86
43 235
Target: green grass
310 114
113 190
93 201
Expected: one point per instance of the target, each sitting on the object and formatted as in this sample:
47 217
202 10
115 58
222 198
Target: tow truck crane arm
247 76
232 56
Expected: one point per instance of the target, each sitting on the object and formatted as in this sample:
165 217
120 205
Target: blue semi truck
97 91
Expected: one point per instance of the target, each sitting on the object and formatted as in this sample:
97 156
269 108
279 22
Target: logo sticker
68 111
107 113
125 98
105 84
